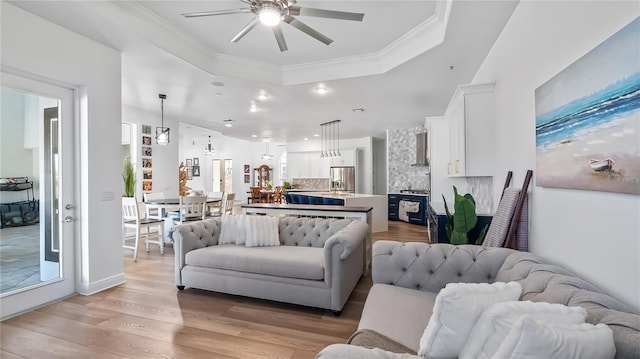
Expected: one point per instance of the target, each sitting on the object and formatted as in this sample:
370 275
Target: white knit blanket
249 230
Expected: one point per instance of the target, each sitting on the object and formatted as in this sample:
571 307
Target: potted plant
463 219
129 178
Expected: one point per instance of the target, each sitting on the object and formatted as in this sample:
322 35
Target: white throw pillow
455 312
227 229
496 322
262 231
532 339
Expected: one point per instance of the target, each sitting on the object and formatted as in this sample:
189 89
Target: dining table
165 204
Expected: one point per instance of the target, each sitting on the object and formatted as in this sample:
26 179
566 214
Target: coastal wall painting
588 119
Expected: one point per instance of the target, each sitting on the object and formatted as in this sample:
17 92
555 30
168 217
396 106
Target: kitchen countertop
412 194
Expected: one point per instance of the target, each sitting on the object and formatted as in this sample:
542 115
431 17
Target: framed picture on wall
147 163
146 151
247 178
147 186
147 174
146 141
146 129
196 171
246 170
189 162
196 161
189 173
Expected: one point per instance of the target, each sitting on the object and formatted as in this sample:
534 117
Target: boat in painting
601 165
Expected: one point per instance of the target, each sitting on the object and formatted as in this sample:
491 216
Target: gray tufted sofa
408 276
318 262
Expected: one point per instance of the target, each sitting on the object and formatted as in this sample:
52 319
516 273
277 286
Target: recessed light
218 93
262 96
316 135
358 109
306 138
321 90
254 136
253 109
228 122
217 83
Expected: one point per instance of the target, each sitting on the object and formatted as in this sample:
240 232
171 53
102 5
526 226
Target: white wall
93 71
164 158
596 234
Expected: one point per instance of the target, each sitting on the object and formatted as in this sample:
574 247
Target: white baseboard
98 286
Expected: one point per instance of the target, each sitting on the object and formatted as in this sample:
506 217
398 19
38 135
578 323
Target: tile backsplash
401 154
482 190
310 183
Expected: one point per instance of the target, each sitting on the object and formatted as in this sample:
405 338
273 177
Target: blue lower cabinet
332 201
287 198
419 217
315 200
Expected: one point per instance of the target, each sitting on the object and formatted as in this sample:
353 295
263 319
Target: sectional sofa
408 276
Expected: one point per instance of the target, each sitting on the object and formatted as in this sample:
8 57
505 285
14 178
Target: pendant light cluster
330 139
162 133
208 151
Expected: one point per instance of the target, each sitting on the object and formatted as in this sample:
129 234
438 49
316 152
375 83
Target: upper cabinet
470 116
313 165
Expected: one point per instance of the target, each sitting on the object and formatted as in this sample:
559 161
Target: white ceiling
396 63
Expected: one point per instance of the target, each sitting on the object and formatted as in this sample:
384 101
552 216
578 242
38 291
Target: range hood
422 150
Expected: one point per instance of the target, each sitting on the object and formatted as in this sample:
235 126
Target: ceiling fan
274 12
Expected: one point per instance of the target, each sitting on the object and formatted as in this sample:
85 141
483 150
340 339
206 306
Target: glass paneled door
37 196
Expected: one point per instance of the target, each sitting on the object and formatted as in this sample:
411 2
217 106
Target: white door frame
28 298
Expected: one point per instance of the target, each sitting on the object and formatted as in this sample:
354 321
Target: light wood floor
147 317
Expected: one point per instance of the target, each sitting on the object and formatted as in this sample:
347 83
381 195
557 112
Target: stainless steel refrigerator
343 178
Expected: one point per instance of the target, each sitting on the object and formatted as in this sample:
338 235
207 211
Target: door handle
68 206
68 219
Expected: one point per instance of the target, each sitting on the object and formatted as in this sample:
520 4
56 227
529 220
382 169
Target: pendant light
162 133
330 139
208 151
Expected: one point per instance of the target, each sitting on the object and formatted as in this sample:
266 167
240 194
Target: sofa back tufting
309 232
543 282
426 267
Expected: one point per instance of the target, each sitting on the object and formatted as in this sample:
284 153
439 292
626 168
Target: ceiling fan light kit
273 12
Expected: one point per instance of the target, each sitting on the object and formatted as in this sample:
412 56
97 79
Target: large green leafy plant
129 178
463 219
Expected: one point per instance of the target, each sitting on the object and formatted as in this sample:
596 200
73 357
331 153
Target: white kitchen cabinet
348 158
470 116
297 165
318 165
312 165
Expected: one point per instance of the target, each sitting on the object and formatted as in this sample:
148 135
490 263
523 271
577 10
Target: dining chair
228 203
152 212
192 208
255 195
278 195
216 209
131 219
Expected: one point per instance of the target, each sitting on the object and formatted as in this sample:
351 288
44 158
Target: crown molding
135 17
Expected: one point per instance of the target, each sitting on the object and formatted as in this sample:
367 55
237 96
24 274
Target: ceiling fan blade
331 14
246 29
217 12
306 29
277 31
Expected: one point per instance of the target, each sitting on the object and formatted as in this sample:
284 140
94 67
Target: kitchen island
377 202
